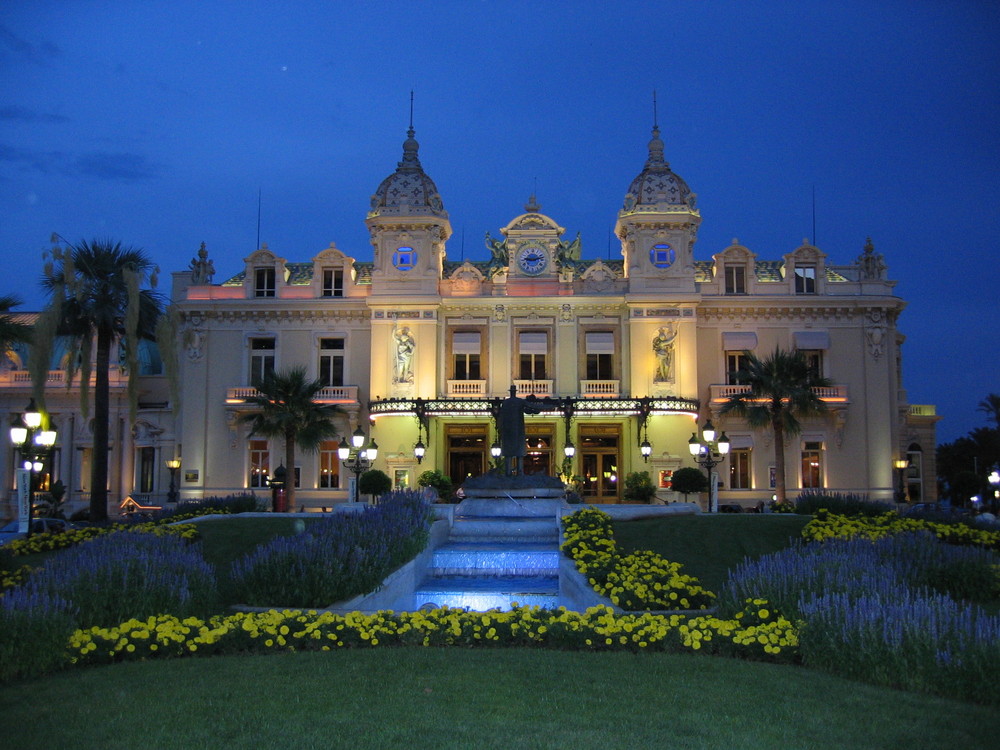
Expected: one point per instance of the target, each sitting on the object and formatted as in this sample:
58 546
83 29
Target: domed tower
657 226
408 227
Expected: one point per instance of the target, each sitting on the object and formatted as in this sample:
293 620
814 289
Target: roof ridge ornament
532 206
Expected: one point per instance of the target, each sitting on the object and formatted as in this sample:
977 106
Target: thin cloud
40 53
42 161
14 113
118 167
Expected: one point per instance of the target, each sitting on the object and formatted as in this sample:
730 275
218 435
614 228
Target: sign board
23 479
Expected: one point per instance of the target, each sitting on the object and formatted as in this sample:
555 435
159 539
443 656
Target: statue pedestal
518 496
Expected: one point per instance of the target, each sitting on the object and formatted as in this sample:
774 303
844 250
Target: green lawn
456 698
709 546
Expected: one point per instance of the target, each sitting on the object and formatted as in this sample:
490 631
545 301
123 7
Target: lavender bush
868 612
123 575
337 558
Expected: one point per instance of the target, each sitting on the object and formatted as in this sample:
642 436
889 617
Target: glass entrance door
599 464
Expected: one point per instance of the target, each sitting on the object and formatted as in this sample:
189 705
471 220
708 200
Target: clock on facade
532 259
662 255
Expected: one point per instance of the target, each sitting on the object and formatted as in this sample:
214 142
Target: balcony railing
536 387
923 410
599 388
459 388
332 394
834 394
22 378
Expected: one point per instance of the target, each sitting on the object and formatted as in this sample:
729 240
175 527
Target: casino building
628 357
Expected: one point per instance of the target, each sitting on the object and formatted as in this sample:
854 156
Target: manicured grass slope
709 546
454 698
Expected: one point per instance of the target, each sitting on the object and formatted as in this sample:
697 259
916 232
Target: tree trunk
290 471
779 459
102 415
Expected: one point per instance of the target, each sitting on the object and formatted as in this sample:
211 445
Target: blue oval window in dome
404 258
662 255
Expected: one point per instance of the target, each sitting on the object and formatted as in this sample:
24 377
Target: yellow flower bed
832 526
641 580
755 632
61 540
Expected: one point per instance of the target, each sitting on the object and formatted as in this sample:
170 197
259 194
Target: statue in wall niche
202 269
663 348
405 344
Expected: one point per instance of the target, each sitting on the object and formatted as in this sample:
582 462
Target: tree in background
688 480
964 464
781 391
375 483
95 299
287 409
11 331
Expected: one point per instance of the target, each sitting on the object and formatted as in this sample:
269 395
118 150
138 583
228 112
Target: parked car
38 526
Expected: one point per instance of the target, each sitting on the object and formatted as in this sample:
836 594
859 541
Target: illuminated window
329 465
404 258
739 469
812 465
259 463
735 364
263 282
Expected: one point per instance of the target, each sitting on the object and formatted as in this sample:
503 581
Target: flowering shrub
597 629
867 613
64 539
833 526
641 580
844 504
127 574
336 558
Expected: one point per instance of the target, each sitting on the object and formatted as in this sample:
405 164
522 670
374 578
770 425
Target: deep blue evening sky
157 122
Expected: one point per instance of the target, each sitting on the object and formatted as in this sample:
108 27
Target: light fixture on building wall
173 464
709 452
356 457
900 465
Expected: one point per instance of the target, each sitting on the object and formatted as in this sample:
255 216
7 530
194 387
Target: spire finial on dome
410 145
655 144
655 125
532 206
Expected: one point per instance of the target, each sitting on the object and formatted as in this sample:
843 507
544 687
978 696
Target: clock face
532 259
662 255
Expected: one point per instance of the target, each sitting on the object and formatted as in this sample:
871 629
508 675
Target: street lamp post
900 465
173 464
34 443
356 457
994 478
709 452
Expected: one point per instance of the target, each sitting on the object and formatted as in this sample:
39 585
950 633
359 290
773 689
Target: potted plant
639 488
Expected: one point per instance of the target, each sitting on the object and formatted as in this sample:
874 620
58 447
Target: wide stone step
505 530
495 559
482 593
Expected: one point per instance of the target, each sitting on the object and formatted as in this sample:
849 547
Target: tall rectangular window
465 349
533 347
329 465
600 347
331 361
812 465
261 358
333 282
735 362
814 361
259 463
263 282
147 469
739 469
805 279
736 279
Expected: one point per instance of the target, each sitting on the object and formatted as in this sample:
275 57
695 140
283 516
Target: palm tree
781 390
97 299
991 406
11 331
288 410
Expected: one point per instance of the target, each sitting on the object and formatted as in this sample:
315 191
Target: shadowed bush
846 504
